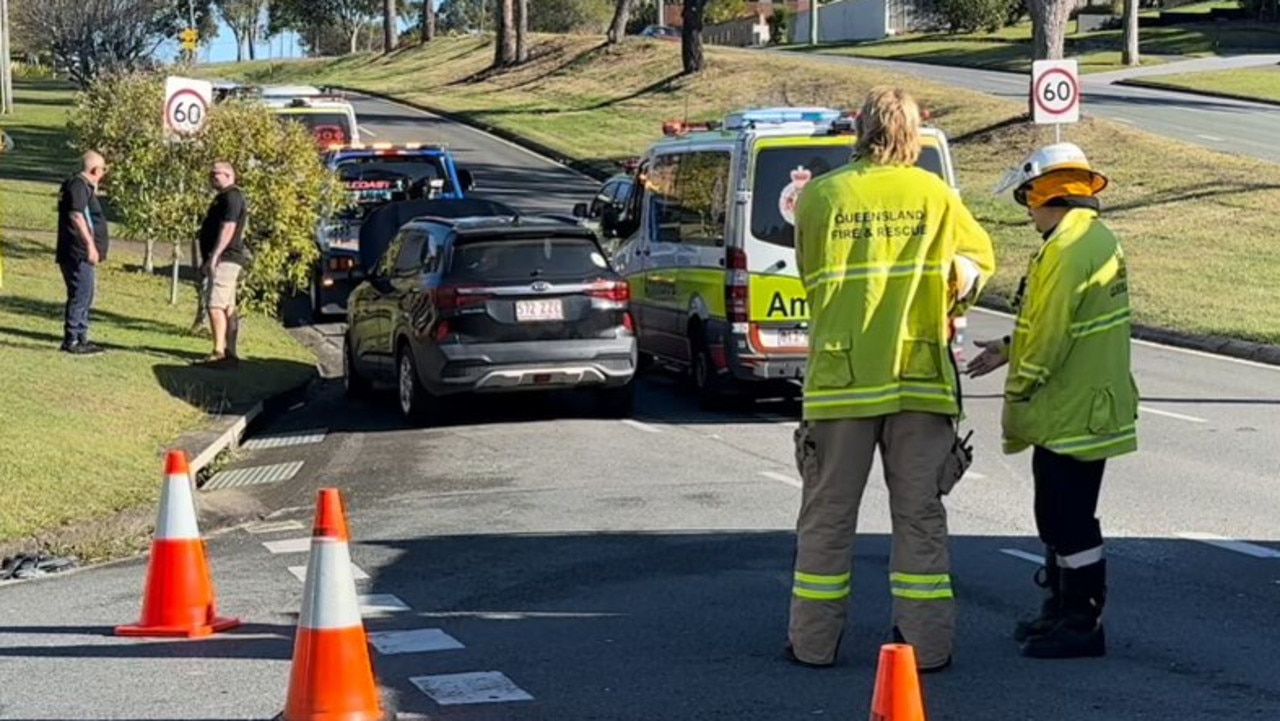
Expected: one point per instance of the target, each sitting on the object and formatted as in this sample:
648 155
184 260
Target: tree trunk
691 37
251 36
389 23
149 259
1130 54
505 47
621 14
428 21
522 31
1049 28
355 39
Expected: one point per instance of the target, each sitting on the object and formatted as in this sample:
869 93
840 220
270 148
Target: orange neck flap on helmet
1062 183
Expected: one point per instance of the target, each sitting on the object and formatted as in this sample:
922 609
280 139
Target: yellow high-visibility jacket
875 246
1069 388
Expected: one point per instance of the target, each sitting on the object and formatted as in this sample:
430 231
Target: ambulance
709 253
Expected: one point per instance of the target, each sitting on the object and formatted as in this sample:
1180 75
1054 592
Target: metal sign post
186 111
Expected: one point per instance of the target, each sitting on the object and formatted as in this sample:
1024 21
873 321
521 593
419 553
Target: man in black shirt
82 245
224 256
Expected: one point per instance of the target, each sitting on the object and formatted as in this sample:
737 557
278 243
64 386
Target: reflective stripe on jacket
1069 388
875 246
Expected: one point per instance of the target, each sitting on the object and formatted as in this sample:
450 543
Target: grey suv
491 305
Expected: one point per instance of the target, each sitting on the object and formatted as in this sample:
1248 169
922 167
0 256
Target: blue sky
223 47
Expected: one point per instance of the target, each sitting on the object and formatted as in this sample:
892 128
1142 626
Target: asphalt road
640 569
1233 126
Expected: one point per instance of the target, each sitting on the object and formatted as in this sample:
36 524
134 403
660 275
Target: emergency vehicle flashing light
780 116
385 148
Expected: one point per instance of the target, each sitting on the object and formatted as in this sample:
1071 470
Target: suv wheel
414 400
353 383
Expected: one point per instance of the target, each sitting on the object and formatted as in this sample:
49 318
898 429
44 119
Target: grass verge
1010 49
1198 232
41 158
81 436
1262 84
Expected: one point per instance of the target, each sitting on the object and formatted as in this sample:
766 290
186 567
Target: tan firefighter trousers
834 459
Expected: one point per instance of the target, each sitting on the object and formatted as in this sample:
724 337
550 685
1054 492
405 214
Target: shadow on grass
216 389
40 155
53 311
51 341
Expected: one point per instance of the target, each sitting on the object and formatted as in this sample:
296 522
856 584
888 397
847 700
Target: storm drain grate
282 440
254 475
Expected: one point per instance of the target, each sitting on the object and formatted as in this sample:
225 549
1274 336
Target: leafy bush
160 190
972 15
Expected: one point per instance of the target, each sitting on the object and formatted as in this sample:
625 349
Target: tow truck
374 175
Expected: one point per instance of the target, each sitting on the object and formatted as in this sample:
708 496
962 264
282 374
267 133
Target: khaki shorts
222 286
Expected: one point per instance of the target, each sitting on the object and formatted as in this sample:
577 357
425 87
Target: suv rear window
374 180
773 174
524 261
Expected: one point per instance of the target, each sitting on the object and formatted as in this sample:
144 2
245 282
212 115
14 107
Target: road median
1197 229
1254 85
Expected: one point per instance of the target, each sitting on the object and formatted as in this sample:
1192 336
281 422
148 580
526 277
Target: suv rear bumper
536 365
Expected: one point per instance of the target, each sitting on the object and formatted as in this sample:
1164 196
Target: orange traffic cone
178 599
897 694
332 677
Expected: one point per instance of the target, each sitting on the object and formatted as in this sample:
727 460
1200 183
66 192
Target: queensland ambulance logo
787 201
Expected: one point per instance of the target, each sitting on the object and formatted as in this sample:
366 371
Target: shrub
160 191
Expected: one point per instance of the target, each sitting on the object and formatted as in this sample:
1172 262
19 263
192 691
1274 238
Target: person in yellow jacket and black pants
888 252
1069 393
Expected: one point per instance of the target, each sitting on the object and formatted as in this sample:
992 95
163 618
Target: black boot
1048 578
1078 633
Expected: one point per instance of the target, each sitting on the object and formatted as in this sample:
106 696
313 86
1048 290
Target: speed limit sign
186 105
1055 91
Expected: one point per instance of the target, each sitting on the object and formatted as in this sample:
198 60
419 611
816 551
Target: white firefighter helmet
1049 159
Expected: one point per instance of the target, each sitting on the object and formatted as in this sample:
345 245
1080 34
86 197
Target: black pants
1067 502
79 279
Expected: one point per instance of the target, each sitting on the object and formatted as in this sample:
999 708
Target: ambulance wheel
709 386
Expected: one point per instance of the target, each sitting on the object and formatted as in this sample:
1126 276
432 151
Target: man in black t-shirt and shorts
223 256
82 246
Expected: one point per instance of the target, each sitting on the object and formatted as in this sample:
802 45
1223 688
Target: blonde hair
889 128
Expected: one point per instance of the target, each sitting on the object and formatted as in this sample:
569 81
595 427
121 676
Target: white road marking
364 130
1171 414
640 426
1126 121
374 604
466 688
289 545
1209 137
782 478
1161 346
418 640
974 475
274 527
300 572
779 419
1023 555
1249 549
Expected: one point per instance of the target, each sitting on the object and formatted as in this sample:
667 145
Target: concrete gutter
1216 345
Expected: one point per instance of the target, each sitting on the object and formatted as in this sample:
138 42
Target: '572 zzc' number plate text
539 310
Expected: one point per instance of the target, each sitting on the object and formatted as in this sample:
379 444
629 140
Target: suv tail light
735 291
616 291
450 297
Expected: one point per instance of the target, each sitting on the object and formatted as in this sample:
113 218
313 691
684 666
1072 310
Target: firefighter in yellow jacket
888 252
1069 393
